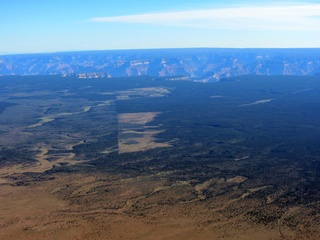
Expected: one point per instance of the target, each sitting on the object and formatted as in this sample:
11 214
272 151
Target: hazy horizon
155 49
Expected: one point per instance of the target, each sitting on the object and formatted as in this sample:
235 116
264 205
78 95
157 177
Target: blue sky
32 26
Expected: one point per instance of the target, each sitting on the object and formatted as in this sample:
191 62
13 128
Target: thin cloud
285 17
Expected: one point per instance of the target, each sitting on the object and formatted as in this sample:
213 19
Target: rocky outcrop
196 64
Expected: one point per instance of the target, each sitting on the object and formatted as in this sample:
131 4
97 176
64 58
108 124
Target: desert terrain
156 159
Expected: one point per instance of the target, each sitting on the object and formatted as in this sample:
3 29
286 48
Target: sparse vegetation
184 151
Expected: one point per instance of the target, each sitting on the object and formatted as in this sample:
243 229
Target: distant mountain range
201 64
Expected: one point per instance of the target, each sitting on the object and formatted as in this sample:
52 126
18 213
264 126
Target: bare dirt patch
137 118
142 92
141 137
237 179
47 119
108 206
42 164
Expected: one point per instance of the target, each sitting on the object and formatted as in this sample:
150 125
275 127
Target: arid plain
146 158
